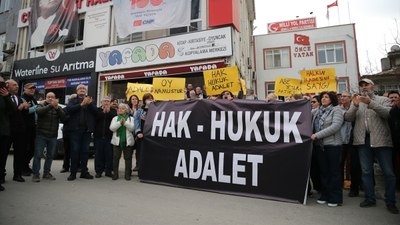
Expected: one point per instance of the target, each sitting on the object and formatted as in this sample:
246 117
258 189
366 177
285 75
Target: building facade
286 54
8 35
215 40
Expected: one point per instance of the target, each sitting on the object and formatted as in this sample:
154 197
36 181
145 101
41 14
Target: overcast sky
374 19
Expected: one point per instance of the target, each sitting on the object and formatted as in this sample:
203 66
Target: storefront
186 55
58 73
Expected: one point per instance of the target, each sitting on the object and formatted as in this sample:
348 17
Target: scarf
121 132
322 114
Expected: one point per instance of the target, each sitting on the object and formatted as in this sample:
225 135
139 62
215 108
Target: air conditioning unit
9 47
5 67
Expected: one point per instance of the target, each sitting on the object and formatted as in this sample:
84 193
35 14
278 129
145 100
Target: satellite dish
395 48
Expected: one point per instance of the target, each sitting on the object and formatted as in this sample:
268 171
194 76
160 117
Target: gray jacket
330 132
372 118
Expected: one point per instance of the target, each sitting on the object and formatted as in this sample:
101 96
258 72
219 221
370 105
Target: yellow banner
224 79
165 88
137 89
318 80
287 86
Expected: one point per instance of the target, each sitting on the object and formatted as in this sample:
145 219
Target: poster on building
97 27
52 22
139 16
318 80
238 147
137 89
168 88
287 86
224 79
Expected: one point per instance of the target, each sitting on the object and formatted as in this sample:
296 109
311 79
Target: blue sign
75 81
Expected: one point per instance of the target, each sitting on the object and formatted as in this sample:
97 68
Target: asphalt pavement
104 201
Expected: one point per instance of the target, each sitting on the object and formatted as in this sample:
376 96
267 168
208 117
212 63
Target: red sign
55 83
163 71
290 25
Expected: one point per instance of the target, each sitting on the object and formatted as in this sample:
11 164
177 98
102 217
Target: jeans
103 156
79 143
384 157
42 142
329 159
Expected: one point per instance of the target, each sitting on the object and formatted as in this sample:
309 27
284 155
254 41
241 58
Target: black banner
242 147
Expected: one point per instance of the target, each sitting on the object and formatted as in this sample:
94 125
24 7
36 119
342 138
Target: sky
375 22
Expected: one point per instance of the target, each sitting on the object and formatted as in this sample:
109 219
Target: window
195 20
4 5
277 58
2 41
342 84
330 53
130 38
269 87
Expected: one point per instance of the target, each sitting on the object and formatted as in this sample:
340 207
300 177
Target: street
103 201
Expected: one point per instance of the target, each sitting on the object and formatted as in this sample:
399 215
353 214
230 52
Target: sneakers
333 204
86 176
35 178
392 208
48 177
367 204
321 201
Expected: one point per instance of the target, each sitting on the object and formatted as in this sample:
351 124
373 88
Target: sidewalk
103 201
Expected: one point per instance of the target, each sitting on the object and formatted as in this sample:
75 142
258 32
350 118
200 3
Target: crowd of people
350 133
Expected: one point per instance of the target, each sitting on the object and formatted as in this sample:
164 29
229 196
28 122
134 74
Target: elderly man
50 114
6 106
30 123
80 126
18 132
371 135
102 138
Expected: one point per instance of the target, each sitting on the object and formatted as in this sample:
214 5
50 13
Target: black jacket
80 118
103 120
6 107
29 118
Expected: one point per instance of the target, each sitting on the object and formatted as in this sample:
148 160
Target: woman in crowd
327 121
314 170
140 118
133 103
122 140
